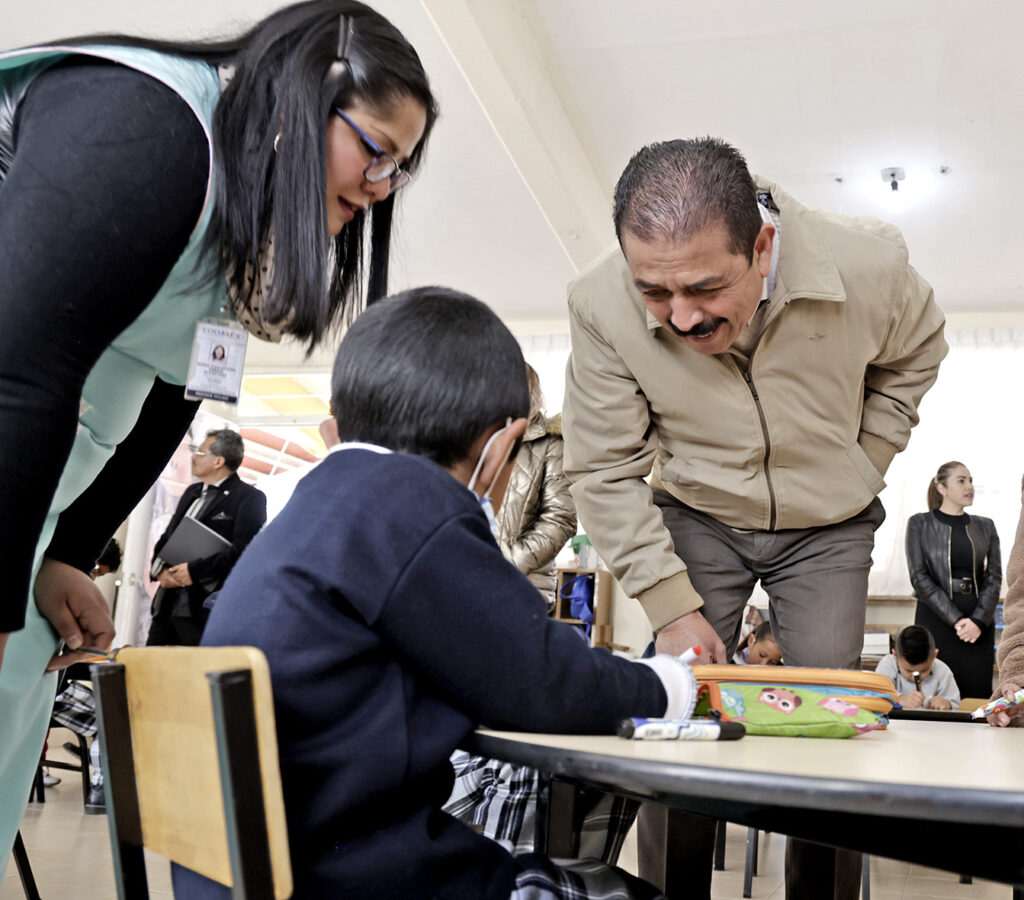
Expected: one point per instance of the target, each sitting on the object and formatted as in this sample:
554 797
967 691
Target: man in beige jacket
763 363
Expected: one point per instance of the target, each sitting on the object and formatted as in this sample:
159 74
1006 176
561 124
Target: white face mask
485 498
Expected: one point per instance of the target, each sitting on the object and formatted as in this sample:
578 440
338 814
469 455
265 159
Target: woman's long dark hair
281 84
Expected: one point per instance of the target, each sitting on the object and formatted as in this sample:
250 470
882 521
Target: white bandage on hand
679 683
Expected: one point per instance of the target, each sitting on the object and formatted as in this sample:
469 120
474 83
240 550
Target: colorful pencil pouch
795 701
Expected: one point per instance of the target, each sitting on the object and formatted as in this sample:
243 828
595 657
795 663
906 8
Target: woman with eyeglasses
956 570
145 186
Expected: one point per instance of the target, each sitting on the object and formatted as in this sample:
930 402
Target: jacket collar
536 428
806 266
224 486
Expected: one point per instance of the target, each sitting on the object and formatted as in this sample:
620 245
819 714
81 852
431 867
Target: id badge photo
218 359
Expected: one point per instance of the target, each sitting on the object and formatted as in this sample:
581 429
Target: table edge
659 780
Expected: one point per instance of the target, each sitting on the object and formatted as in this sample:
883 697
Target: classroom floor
69 851
70 856
890 879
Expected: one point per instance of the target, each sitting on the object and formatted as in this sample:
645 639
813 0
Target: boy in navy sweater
394 626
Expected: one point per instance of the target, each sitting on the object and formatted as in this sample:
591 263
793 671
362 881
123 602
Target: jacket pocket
867 472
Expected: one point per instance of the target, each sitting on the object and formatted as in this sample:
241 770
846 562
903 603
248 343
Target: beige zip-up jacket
799 437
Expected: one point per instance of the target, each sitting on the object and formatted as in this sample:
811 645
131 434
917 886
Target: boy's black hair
426 372
111 555
914 644
761 631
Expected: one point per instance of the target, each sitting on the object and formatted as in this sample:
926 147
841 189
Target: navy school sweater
394 627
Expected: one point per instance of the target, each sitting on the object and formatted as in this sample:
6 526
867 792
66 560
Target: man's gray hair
675 189
229 444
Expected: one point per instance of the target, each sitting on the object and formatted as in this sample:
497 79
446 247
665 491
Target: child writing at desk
394 627
923 681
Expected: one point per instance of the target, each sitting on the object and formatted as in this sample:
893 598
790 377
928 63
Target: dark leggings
106 185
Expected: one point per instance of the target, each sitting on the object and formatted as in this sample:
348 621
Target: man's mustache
701 330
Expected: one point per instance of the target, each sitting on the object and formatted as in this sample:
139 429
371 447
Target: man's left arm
250 515
903 371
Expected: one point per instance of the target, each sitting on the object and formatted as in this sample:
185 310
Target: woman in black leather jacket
956 572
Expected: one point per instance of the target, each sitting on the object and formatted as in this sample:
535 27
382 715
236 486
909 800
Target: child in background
759 648
922 680
394 627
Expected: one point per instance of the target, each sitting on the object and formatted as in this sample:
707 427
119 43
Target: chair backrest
189 752
970 704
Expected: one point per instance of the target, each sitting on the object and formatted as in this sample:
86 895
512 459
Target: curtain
965 417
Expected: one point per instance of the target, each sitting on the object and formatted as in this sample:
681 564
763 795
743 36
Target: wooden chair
180 727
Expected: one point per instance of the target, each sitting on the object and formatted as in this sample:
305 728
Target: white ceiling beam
494 47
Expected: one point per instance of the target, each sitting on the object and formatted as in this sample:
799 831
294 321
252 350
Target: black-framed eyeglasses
383 165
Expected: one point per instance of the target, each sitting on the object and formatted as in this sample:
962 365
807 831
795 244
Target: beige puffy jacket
537 515
804 441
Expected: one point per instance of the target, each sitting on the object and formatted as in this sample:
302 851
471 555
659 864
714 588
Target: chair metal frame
28 880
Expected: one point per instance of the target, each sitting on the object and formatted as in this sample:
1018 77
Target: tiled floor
889 879
70 856
68 850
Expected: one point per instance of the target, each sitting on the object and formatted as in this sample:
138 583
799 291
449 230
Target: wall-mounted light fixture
894 176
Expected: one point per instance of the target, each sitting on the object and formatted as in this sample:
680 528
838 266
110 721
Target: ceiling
543 102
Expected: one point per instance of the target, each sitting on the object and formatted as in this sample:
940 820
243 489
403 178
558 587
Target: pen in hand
998 704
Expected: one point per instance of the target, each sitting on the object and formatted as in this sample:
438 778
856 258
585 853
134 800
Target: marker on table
680 730
998 704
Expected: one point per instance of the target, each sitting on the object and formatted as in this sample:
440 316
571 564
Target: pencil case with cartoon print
795 700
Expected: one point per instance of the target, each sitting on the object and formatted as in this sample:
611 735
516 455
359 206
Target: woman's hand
76 608
967 630
1002 717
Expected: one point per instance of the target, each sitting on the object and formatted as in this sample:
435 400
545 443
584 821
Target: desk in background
941 794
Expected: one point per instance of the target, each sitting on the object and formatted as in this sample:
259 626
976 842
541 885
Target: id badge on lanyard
218 358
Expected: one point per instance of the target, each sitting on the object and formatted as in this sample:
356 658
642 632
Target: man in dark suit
227 505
